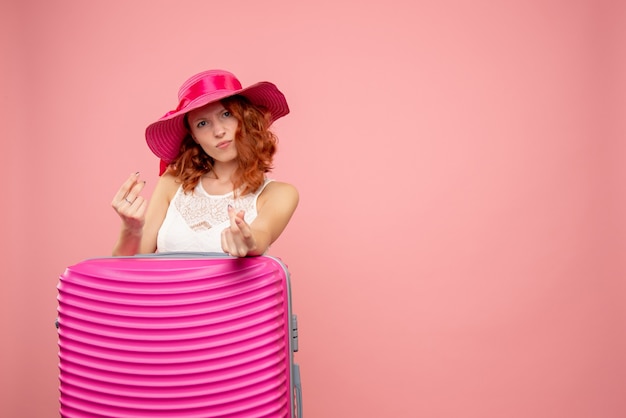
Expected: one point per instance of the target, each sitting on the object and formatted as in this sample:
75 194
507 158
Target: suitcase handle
183 254
297 389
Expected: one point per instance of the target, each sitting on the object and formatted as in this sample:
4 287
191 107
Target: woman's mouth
223 144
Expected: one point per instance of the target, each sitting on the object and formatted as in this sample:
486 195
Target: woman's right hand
129 205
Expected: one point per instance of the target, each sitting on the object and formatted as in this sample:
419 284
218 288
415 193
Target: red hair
256 146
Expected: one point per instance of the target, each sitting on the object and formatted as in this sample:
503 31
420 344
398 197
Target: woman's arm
275 206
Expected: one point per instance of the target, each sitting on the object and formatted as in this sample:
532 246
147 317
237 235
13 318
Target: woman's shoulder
281 187
278 190
169 180
167 185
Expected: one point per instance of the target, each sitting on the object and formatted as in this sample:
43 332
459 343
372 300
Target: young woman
213 194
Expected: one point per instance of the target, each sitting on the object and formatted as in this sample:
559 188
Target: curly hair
255 143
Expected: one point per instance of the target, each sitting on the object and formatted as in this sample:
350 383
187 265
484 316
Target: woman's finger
225 246
134 192
125 189
232 216
244 228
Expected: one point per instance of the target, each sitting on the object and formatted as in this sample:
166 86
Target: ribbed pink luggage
181 335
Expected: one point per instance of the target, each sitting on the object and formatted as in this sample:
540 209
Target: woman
212 196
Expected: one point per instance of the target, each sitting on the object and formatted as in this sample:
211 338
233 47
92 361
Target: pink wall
459 246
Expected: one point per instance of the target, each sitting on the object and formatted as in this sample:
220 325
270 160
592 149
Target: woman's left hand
237 239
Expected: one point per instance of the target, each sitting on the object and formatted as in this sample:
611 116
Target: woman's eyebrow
217 111
196 119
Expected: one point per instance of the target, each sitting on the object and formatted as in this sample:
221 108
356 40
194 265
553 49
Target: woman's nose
218 130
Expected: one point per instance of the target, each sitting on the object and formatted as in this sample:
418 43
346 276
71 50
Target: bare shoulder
281 189
280 193
167 186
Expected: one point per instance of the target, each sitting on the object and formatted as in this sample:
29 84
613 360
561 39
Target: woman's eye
226 114
201 124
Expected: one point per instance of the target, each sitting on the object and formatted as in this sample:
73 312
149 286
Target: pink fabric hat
166 134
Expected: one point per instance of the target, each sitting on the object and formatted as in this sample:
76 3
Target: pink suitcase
181 335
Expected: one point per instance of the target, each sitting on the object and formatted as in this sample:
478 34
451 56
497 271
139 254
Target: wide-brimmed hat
166 134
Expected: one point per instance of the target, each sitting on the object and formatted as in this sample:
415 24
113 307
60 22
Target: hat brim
166 134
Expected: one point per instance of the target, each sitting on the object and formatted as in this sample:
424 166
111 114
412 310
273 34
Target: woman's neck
223 171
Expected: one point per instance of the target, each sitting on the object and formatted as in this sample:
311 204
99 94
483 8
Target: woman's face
214 128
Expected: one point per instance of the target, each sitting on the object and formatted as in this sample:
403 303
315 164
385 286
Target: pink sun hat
166 134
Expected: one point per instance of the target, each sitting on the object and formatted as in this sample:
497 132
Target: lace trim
202 212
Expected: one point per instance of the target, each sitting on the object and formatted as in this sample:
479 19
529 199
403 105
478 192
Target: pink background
459 246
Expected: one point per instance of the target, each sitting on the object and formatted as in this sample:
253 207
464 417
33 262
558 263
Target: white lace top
194 221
